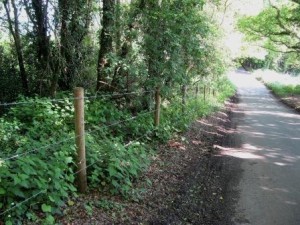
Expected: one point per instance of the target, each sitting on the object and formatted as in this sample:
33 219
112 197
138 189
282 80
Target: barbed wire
20 203
120 122
75 173
117 94
72 98
37 149
68 139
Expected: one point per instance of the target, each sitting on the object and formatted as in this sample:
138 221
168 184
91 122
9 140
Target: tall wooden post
80 139
157 107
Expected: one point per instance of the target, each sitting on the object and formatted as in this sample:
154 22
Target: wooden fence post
157 107
80 139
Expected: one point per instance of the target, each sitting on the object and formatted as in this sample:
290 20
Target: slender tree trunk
105 45
75 21
15 31
65 79
41 27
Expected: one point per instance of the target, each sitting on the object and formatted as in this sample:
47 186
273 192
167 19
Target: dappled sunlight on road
241 153
267 139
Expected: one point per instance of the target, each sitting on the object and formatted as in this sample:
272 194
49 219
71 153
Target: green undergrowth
284 90
38 154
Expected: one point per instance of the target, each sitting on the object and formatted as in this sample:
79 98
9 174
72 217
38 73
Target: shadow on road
269 145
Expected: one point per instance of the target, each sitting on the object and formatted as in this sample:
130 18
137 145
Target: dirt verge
192 183
292 101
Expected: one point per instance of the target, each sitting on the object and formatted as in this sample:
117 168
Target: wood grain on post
157 107
80 139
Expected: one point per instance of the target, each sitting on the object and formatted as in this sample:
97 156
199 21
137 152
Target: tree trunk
105 45
65 79
75 21
41 27
15 31
37 12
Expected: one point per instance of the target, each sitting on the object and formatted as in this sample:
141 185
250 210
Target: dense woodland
121 52
110 46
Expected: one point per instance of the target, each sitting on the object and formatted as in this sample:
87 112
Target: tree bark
37 11
75 21
105 45
15 31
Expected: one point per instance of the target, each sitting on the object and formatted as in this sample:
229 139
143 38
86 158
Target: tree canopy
110 46
277 29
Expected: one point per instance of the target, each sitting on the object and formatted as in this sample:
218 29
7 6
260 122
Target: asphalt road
268 144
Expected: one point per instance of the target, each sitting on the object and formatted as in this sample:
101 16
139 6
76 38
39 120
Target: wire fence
99 128
97 96
96 128
89 132
44 191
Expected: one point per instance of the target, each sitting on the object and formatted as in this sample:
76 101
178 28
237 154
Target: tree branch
280 22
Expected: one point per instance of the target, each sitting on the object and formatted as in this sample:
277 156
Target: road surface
269 146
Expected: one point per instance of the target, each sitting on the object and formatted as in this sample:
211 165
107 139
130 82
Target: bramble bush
40 134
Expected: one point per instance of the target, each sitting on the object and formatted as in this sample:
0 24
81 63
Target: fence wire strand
36 149
88 166
4 104
72 138
69 139
20 203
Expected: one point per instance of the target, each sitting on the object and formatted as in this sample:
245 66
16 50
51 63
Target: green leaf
49 220
8 223
46 208
2 191
112 171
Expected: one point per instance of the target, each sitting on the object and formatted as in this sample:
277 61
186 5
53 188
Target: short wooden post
157 107
80 139
204 93
197 90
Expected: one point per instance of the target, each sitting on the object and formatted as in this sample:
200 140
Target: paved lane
269 145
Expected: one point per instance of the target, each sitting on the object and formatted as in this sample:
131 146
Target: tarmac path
269 147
